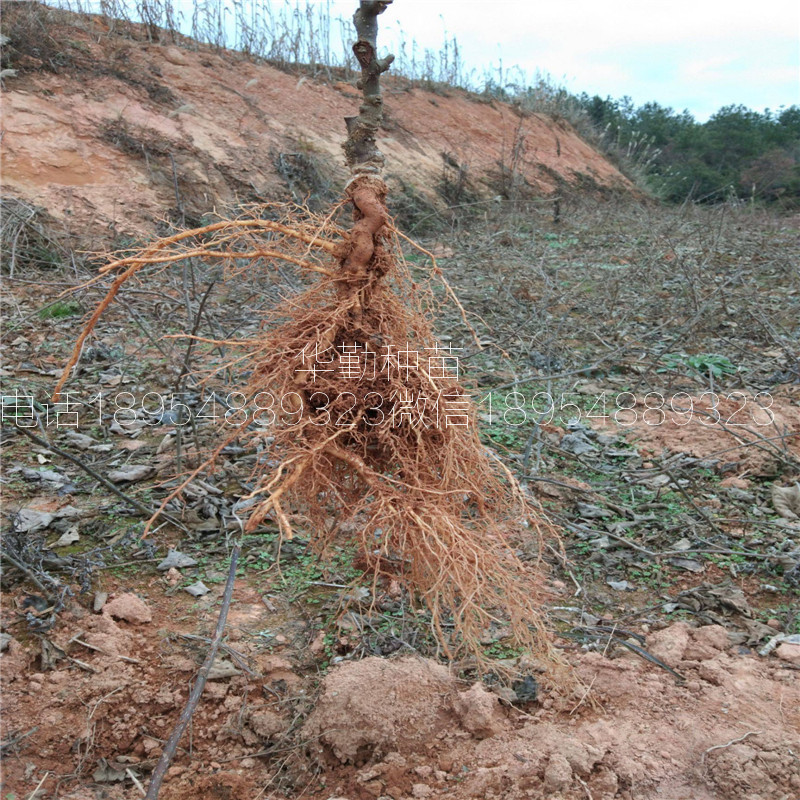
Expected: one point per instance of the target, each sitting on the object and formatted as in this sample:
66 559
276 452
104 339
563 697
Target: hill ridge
130 131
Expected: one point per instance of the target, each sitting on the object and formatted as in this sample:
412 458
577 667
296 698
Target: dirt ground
398 727
316 696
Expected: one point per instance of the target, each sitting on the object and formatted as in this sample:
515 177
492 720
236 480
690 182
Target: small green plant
555 240
510 439
677 614
501 650
732 559
650 574
583 548
704 364
60 309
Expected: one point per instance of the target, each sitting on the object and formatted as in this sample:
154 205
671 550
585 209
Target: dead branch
29 574
171 746
143 509
728 744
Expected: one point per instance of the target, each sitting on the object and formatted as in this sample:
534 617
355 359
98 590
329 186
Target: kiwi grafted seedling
369 425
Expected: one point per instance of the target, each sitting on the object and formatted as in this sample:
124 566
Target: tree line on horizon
737 153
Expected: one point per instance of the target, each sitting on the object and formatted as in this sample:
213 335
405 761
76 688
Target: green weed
500 650
704 364
60 309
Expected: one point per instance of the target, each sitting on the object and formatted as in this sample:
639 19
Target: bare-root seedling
364 431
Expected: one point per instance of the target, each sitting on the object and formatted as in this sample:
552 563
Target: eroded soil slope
128 131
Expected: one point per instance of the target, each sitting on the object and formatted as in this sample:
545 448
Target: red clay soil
93 145
745 438
88 705
399 728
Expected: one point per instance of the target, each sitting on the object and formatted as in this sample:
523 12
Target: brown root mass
390 452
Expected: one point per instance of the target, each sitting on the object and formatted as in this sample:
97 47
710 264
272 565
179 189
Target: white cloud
651 51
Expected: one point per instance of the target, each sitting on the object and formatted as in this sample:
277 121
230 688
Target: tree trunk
360 150
366 189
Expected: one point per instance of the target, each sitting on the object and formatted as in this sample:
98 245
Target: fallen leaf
442 251
656 481
222 668
590 388
69 512
786 500
165 444
102 448
526 689
110 378
105 773
68 537
130 473
56 479
128 427
682 544
591 511
757 631
51 654
688 564
176 560
28 520
732 598
80 440
132 445
577 444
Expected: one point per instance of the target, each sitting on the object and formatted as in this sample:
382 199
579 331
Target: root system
364 431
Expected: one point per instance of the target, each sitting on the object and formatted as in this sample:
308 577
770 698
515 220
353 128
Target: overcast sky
686 54
694 54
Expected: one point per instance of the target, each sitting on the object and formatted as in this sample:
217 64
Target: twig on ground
145 330
149 512
29 574
187 360
541 479
707 519
585 787
718 551
728 744
194 696
240 659
104 652
136 782
38 786
583 697
613 636
12 743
